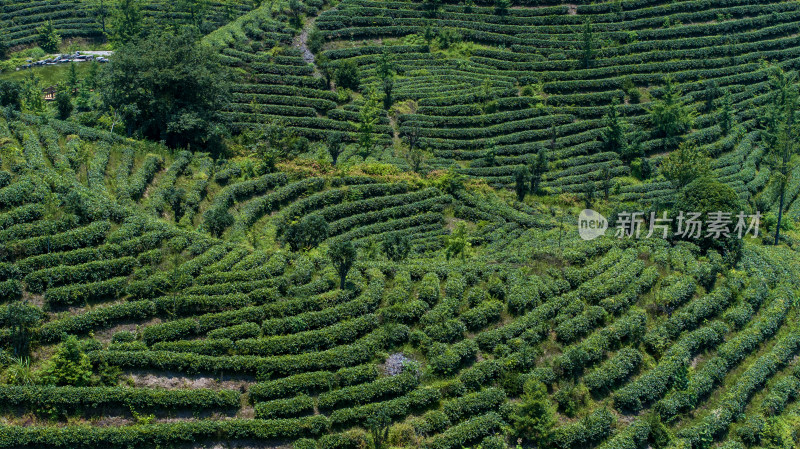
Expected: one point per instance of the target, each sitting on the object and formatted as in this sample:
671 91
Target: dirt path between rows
301 42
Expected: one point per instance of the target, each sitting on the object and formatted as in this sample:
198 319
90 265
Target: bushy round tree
706 195
177 86
307 232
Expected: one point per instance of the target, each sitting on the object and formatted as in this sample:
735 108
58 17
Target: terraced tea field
153 296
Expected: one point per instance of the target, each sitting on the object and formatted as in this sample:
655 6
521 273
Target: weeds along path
301 42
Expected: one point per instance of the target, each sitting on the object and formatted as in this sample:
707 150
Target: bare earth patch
177 381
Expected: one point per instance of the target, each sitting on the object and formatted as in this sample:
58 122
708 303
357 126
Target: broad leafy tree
217 220
11 94
306 233
126 22
707 195
47 38
347 75
177 86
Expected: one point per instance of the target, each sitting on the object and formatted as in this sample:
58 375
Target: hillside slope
151 297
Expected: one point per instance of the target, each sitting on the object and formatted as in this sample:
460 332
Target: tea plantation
381 250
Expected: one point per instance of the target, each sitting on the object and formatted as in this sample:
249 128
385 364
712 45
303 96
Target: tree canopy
168 87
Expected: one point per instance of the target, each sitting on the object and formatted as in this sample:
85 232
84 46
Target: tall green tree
367 121
316 40
468 5
589 190
297 9
11 94
327 68
195 11
93 75
64 104
711 94
670 116
458 243
20 318
32 99
335 145
432 7
781 133
606 179
685 164
343 255
411 134
378 424
126 22
3 46
47 38
501 7
522 179
101 9
388 88
385 64
177 86
726 116
69 366
535 417
72 77
429 34
537 169
415 157
613 132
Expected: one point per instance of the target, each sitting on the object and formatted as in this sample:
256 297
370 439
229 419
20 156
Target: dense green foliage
168 88
353 225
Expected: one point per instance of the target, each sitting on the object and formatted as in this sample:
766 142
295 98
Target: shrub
347 75
306 233
284 408
429 289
